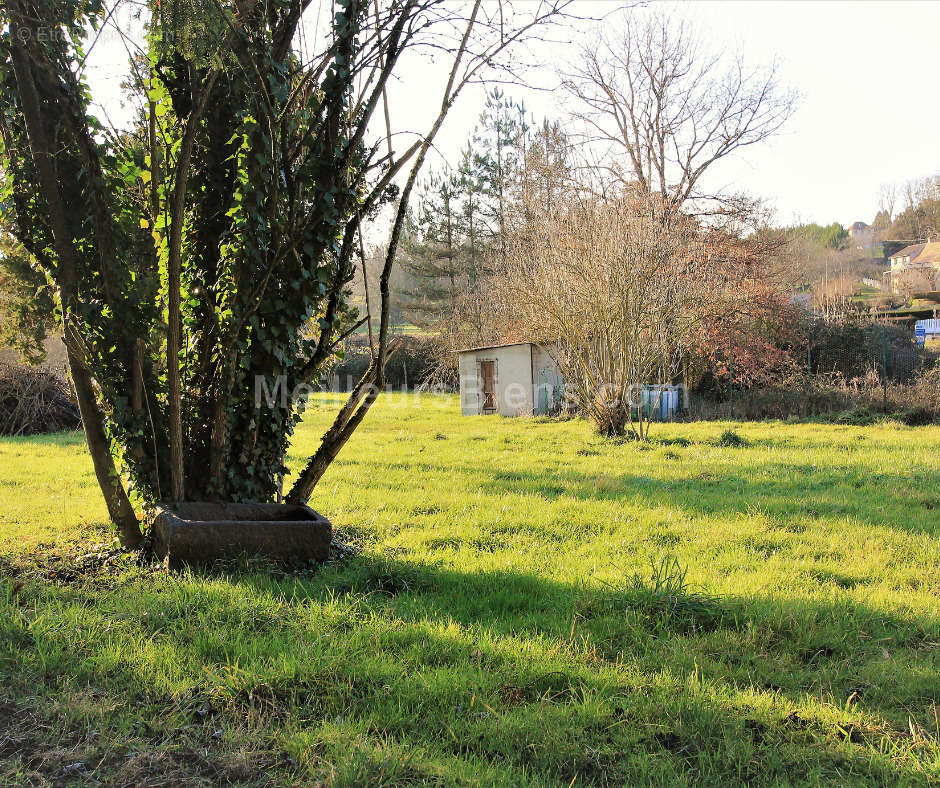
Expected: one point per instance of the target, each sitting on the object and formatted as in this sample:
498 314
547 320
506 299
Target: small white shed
517 379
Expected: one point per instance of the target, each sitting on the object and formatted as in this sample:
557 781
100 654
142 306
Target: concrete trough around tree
197 532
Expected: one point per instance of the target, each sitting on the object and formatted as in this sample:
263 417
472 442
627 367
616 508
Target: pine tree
432 257
462 217
476 232
546 170
499 151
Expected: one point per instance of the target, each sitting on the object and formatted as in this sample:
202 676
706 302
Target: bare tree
653 93
887 199
618 291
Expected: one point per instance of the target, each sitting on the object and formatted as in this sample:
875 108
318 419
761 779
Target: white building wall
471 394
513 385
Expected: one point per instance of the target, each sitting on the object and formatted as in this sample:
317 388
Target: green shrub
731 439
917 417
857 417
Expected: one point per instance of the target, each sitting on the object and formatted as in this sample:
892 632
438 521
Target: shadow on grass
642 682
675 667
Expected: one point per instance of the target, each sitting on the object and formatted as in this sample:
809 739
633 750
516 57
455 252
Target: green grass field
529 605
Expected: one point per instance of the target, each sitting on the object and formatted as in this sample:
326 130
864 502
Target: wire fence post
731 377
809 372
884 366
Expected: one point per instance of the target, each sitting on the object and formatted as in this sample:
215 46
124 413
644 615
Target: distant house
862 235
516 379
914 269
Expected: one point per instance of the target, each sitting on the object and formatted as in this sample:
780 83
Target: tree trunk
373 381
346 422
119 506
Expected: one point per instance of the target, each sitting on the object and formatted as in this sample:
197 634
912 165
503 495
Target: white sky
865 71
868 115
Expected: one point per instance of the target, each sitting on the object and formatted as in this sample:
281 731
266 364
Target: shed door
488 382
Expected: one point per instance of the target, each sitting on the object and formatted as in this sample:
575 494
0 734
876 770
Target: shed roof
492 347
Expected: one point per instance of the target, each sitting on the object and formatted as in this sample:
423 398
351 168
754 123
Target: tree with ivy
210 247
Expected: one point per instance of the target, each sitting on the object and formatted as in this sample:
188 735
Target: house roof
491 347
858 226
909 251
929 254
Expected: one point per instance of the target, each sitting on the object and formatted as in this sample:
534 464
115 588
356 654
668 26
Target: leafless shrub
34 401
830 395
618 288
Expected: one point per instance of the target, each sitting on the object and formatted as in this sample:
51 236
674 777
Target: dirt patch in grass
107 564
78 563
39 750
554 687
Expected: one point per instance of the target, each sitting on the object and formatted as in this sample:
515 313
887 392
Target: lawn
526 604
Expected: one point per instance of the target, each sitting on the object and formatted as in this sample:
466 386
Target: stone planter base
201 532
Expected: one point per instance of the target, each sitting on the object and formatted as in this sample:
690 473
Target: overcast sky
865 72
